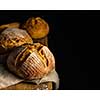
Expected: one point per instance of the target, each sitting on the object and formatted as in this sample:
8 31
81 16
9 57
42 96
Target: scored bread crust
13 37
33 62
36 27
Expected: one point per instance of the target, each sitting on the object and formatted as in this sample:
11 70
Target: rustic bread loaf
31 61
13 37
36 27
10 25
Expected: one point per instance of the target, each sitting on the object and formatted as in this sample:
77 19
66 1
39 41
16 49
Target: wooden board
30 86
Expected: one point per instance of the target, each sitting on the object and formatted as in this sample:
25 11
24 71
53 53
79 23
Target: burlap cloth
8 79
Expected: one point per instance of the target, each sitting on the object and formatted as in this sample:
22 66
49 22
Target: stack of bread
26 62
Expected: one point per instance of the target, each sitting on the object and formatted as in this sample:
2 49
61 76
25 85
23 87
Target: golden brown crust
33 61
10 25
13 37
36 27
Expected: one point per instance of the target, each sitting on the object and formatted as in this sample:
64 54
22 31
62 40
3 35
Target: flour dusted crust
33 62
13 37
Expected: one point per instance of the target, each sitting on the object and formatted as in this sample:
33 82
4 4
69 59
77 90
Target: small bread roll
36 27
13 37
32 61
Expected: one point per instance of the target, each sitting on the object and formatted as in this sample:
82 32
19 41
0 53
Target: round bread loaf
31 61
13 37
36 27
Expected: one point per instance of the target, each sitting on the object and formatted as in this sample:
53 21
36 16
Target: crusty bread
13 37
36 27
10 25
32 61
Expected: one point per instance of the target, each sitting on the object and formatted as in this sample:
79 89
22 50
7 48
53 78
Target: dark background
74 41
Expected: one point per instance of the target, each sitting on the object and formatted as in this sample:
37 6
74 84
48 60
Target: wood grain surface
30 86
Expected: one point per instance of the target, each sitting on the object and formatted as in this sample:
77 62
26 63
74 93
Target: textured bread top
31 61
13 37
36 27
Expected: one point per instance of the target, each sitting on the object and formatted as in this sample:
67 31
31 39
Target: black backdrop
71 35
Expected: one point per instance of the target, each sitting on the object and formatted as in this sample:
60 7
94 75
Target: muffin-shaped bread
13 37
36 27
31 61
